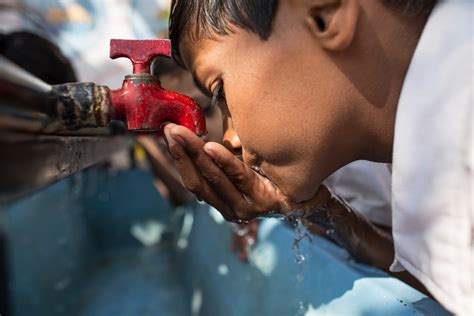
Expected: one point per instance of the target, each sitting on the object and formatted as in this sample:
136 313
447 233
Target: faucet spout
147 107
141 101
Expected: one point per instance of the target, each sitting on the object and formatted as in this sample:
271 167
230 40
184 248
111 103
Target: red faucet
142 101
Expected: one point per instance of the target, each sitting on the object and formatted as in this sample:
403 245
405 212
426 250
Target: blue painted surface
71 253
329 282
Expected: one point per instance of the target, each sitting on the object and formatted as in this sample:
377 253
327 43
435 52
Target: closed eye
218 95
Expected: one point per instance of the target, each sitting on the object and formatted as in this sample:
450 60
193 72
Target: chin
300 193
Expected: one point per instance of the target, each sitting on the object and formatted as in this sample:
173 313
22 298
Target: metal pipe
68 107
22 78
20 89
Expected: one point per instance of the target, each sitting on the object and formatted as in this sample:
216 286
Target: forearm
362 239
366 242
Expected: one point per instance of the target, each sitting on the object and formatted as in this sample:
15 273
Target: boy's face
291 106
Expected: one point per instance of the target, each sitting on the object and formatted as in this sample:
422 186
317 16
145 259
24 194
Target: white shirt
432 179
367 187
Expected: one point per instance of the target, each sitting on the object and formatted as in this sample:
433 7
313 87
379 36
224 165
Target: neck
392 43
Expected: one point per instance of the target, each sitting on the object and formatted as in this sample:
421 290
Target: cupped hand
215 175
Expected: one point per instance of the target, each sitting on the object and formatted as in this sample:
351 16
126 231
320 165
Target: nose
230 139
232 142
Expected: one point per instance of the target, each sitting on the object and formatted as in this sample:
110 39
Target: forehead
219 52
207 58
200 47
191 52
197 52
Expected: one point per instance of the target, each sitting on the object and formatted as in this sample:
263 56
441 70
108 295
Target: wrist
338 219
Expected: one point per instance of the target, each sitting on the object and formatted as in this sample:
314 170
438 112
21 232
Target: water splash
188 221
301 233
240 230
301 309
196 302
295 218
330 231
241 221
300 258
256 168
274 214
223 269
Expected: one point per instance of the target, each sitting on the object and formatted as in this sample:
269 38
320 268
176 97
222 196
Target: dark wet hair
219 16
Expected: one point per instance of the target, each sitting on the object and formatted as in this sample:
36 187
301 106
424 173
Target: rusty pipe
23 90
141 102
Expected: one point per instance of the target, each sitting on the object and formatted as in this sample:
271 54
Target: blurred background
96 222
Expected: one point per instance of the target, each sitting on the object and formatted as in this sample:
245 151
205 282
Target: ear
333 22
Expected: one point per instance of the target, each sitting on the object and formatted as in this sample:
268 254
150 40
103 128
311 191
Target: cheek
274 117
290 107
289 125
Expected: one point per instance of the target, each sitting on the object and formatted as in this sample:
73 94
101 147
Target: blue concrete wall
49 244
328 282
71 252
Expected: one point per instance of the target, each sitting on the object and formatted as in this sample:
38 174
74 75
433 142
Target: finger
193 180
242 176
214 176
258 190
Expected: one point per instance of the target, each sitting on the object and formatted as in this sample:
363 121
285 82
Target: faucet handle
140 52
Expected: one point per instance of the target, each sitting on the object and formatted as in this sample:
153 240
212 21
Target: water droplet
274 214
301 308
256 168
239 229
330 231
241 221
299 277
300 258
301 232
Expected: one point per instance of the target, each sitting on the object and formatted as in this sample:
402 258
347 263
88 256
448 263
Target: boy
312 85
175 78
